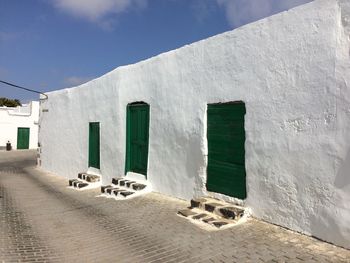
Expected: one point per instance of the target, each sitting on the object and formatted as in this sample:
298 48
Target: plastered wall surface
26 116
292 72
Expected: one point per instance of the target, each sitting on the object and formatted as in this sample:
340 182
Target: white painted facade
12 118
292 70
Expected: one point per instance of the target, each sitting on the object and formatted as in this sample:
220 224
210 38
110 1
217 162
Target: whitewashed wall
291 70
26 116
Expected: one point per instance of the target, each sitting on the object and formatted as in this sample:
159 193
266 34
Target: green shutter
137 138
94 145
226 155
23 138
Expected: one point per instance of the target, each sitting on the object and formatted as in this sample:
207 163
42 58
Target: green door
23 138
137 138
94 145
226 156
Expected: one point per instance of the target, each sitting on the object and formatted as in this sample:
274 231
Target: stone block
197 202
71 181
210 207
128 184
219 224
109 190
208 220
116 191
186 212
103 188
138 187
200 216
81 185
126 193
123 182
231 212
92 178
115 180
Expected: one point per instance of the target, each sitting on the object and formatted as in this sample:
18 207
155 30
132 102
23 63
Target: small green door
23 138
226 155
137 138
94 145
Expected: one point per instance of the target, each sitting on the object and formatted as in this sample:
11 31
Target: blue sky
54 44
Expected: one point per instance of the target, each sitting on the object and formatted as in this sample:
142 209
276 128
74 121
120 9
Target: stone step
71 181
81 185
204 217
122 181
77 183
138 186
126 193
115 180
117 191
214 212
220 208
103 188
91 178
129 183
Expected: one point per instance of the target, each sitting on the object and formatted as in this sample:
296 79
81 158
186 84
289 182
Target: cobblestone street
41 220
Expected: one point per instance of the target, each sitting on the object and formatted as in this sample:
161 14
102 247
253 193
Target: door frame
244 196
128 156
23 128
99 145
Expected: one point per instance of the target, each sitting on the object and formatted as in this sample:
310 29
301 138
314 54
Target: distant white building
259 116
19 126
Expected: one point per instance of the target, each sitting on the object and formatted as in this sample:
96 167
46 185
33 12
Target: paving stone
115 180
103 188
91 178
56 224
197 202
186 212
138 187
210 207
126 193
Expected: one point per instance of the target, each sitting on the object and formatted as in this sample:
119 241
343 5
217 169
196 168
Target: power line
19 87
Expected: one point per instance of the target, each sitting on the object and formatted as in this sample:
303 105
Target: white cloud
97 10
240 12
75 81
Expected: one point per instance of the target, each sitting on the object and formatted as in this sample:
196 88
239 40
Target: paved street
41 220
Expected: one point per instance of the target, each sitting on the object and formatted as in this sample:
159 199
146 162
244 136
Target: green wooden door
137 138
23 138
226 156
94 145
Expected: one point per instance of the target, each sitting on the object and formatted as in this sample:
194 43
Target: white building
280 146
19 126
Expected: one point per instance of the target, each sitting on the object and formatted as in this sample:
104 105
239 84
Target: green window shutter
23 138
226 155
94 145
137 138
